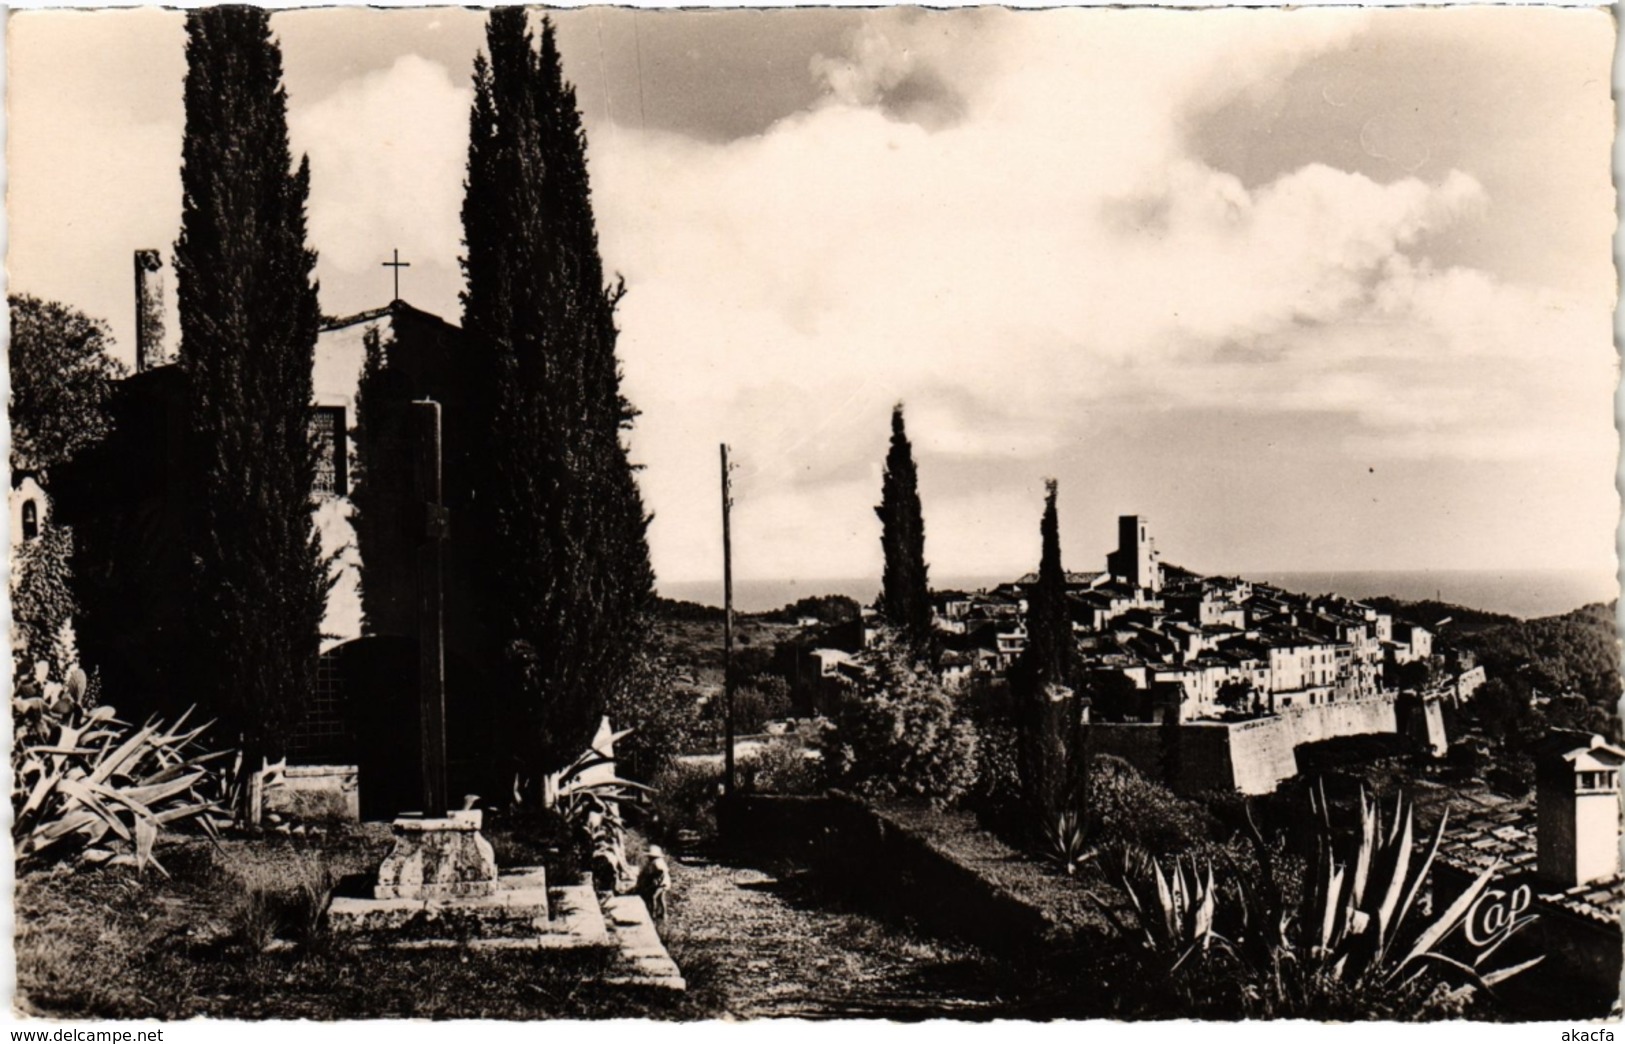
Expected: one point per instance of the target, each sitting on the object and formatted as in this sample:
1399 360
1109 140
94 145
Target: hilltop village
1163 645
1188 647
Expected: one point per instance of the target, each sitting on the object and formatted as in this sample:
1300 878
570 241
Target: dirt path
755 944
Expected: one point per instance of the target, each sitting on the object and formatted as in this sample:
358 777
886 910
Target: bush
779 767
996 799
1126 807
42 606
756 705
685 800
529 835
290 905
1512 774
664 717
898 734
1225 940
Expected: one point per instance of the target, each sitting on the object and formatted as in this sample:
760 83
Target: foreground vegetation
111 944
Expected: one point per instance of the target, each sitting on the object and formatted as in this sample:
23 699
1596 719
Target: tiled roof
1507 836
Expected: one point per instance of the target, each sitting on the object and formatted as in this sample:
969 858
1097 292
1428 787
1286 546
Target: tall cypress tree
1047 724
1049 625
248 320
905 598
562 522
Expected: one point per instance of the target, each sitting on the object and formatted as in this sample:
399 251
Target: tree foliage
664 717
566 567
1575 652
1049 724
248 321
61 378
905 597
1237 695
381 488
42 605
1051 653
826 609
897 734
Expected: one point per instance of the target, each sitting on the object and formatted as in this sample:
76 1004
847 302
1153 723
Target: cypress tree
248 320
1049 625
381 490
1047 723
561 520
905 598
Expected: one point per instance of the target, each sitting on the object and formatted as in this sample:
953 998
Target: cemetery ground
106 943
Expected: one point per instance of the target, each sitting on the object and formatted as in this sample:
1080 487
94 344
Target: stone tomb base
439 889
515 913
440 882
438 859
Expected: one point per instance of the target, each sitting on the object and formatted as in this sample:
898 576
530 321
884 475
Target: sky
1311 289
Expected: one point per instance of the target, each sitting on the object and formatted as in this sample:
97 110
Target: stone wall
1263 752
1250 756
308 793
1348 718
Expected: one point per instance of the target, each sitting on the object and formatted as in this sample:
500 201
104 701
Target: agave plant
1174 908
103 791
1068 841
1355 920
1352 938
567 788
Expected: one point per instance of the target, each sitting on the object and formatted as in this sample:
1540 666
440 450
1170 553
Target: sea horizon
1523 593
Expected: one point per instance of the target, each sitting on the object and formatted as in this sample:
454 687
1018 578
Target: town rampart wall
1250 756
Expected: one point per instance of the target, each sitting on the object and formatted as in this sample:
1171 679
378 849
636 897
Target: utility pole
727 632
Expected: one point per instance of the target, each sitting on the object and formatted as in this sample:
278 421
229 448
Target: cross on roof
397 265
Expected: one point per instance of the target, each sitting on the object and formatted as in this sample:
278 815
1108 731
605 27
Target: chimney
149 310
1577 801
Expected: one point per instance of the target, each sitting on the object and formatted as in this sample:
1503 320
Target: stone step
642 958
516 914
577 920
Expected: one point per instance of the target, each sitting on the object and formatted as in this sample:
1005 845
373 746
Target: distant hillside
1576 652
826 609
1428 613
677 609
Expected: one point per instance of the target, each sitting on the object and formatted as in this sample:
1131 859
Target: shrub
898 733
1126 807
42 606
292 907
254 919
530 835
1068 842
663 716
1513 773
778 767
756 705
306 906
685 800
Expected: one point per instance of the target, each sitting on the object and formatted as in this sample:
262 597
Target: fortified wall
1252 757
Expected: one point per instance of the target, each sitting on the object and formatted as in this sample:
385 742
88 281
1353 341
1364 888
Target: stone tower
1577 799
149 310
1135 560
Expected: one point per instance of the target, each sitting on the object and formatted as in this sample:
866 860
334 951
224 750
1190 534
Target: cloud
92 156
1047 248
387 152
1005 220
